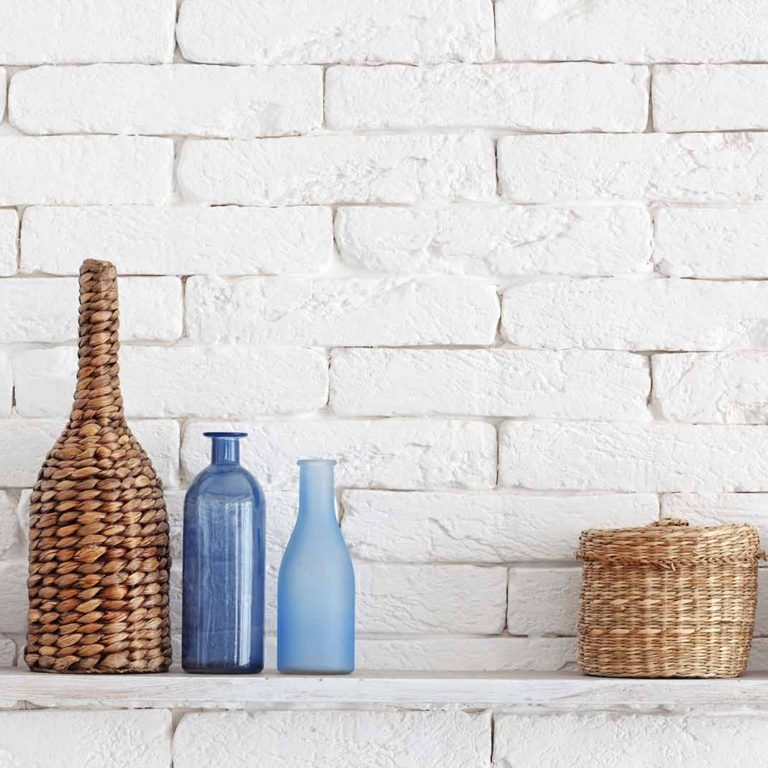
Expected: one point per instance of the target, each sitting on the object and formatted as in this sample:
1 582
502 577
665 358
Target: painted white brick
77 31
227 381
719 509
329 31
6 385
9 526
703 242
406 454
341 312
481 527
648 314
709 98
510 240
631 30
322 170
7 652
476 654
22 517
181 241
85 170
430 598
728 388
338 739
13 596
633 457
3 89
24 445
9 233
45 309
653 166
543 601
236 102
629 740
49 739
518 97
490 382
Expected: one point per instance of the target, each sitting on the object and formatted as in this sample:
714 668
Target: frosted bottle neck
225 451
316 491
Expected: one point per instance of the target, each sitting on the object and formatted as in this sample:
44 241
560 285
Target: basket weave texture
668 600
98 540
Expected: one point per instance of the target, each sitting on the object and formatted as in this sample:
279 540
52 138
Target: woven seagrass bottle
98 531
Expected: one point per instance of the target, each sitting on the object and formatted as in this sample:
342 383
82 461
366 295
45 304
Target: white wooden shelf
371 690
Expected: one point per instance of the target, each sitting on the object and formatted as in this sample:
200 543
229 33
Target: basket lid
671 542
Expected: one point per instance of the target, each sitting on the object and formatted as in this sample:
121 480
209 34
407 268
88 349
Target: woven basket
98 531
668 600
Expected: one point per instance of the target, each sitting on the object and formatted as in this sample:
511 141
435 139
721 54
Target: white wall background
508 264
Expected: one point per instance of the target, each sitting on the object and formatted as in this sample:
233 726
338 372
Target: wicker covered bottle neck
97 396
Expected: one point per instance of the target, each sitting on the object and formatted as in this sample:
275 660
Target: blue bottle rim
332 462
231 435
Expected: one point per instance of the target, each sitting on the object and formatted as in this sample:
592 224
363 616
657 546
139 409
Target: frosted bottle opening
320 462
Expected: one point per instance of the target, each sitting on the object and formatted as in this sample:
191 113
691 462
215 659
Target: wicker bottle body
99 555
668 600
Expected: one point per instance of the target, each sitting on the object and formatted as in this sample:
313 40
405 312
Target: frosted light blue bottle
223 579
316 584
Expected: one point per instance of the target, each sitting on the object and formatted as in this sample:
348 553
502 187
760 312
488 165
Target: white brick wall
504 260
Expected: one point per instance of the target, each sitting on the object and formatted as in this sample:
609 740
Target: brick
6 385
9 234
9 526
543 601
407 454
45 309
633 457
341 312
725 388
509 240
122 739
322 170
647 166
481 527
234 102
631 30
24 445
178 241
329 31
465 655
7 652
631 740
517 97
3 89
13 596
85 170
430 598
719 509
155 381
663 314
707 243
490 382
79 31
709 98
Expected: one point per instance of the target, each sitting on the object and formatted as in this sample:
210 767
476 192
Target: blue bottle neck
225 451
316 492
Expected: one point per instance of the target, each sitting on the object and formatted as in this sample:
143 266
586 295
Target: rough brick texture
9 233
224 240
519 97
327 31
509 240
85 170
340 739
320 170
80 31
232 102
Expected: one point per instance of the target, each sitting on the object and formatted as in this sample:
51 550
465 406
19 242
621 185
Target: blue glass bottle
223 578
316 584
